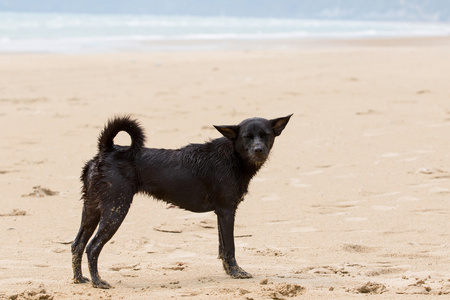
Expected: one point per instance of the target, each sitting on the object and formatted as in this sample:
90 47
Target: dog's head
253 138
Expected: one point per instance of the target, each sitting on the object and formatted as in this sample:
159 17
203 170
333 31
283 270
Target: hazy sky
424 10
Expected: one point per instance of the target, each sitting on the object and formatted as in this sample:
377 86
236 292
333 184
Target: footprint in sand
341 270
283 290
357 248
14 213
35 293
413 284
270 252
385 270
372 288
39 191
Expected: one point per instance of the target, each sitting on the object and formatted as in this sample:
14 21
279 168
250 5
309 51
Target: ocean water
74 33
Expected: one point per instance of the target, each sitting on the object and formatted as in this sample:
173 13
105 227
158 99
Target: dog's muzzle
258 154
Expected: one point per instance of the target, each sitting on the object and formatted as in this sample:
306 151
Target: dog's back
196 177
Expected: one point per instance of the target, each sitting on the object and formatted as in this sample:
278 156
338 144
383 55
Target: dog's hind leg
111 218
225 224
89 221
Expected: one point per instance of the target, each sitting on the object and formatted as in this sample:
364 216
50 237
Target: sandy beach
353 201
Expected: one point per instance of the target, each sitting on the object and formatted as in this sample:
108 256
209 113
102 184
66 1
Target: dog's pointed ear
279 124
230 132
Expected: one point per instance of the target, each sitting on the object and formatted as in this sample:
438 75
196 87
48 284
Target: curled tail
116 125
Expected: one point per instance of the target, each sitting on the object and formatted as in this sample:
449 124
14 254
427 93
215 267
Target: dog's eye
263 134
248 136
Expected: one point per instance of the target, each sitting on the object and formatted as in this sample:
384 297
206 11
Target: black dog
199 177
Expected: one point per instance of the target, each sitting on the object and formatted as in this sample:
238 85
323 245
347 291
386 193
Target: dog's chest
240 199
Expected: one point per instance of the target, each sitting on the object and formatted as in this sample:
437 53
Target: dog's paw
80 279
237 272
101 284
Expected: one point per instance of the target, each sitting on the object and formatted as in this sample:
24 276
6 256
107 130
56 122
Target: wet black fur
213 176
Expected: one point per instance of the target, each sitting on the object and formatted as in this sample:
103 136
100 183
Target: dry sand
354 200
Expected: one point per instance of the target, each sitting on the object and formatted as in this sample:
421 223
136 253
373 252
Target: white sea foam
59 32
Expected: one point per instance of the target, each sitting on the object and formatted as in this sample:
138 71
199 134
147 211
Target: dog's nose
258 150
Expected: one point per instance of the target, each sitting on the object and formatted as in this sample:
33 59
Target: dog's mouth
258 158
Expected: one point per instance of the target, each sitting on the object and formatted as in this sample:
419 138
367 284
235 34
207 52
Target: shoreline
224 45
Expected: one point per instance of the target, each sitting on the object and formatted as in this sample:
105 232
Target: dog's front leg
225 224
